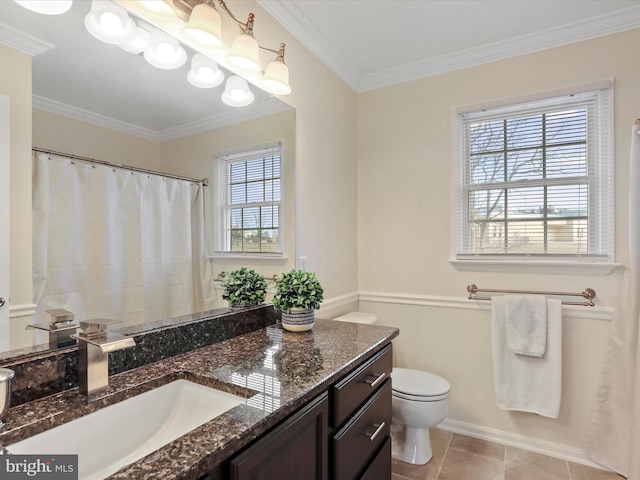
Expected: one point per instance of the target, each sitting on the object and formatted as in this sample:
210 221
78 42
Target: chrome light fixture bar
245 51
203 26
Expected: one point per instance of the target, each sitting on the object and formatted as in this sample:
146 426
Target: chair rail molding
19 311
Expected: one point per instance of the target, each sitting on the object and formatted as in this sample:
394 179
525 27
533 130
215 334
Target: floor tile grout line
504 464
446 450
569 470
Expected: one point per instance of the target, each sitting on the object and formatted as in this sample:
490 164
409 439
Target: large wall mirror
95 100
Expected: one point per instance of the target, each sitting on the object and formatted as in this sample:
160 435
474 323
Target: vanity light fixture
110 22
276 76
237 93
163 8
164 51
245 48
204 26
204 72
47 7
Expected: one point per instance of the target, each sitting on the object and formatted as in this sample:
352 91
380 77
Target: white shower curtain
613 437
112 243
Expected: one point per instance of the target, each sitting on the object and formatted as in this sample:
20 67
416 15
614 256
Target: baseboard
544 447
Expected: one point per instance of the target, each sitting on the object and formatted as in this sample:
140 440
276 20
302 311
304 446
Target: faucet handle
60 315
96 326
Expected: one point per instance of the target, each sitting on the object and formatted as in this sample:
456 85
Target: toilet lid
418 383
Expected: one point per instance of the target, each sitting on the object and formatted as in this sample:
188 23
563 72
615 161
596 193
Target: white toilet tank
358 317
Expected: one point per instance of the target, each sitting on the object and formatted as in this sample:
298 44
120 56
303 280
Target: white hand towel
525 383
526 324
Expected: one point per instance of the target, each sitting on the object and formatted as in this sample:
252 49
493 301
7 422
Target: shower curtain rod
204 181
588 293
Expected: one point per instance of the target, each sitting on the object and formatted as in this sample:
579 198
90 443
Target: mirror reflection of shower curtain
112 243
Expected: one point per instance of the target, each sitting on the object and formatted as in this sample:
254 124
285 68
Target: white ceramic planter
298 319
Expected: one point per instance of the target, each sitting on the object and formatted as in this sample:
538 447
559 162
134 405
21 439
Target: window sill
521 266
254 259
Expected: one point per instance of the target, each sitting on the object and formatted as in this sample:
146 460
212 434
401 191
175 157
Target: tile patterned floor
457 457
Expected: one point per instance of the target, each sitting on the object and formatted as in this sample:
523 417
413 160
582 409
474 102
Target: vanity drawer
353 390
356 444
380 466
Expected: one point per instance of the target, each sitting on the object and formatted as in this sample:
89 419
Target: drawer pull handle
379 428
379 378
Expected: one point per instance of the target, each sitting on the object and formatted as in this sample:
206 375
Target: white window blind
536 179
250 203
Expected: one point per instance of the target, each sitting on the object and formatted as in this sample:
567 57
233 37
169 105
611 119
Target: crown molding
94 118
22 42
256 110
595 27
290 17
268 107
303 29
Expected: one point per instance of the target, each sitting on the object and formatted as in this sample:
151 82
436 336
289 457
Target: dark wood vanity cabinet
361 442
296 449
343 434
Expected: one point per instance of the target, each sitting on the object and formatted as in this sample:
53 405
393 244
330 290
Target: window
536 180
250 203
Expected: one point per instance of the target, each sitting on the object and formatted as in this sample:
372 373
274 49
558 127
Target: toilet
420 400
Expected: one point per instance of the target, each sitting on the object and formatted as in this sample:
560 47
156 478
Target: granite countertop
275 370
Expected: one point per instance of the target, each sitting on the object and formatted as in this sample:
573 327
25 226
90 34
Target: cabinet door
294 450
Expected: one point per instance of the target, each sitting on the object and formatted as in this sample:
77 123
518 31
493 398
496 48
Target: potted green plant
244 287
298 294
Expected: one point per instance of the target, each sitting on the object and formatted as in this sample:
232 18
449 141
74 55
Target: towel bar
588 293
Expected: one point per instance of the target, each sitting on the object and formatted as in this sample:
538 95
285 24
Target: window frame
471 261
222 208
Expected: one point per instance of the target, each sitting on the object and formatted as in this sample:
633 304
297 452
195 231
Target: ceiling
374 43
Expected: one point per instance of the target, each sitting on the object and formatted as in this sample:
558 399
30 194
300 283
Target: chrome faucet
59 328
94 345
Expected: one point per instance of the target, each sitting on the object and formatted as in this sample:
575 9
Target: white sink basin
120 434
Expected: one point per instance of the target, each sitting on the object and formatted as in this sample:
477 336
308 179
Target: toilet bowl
420 400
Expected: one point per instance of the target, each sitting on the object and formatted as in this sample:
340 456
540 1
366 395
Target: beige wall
74 137
17 85
407 233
